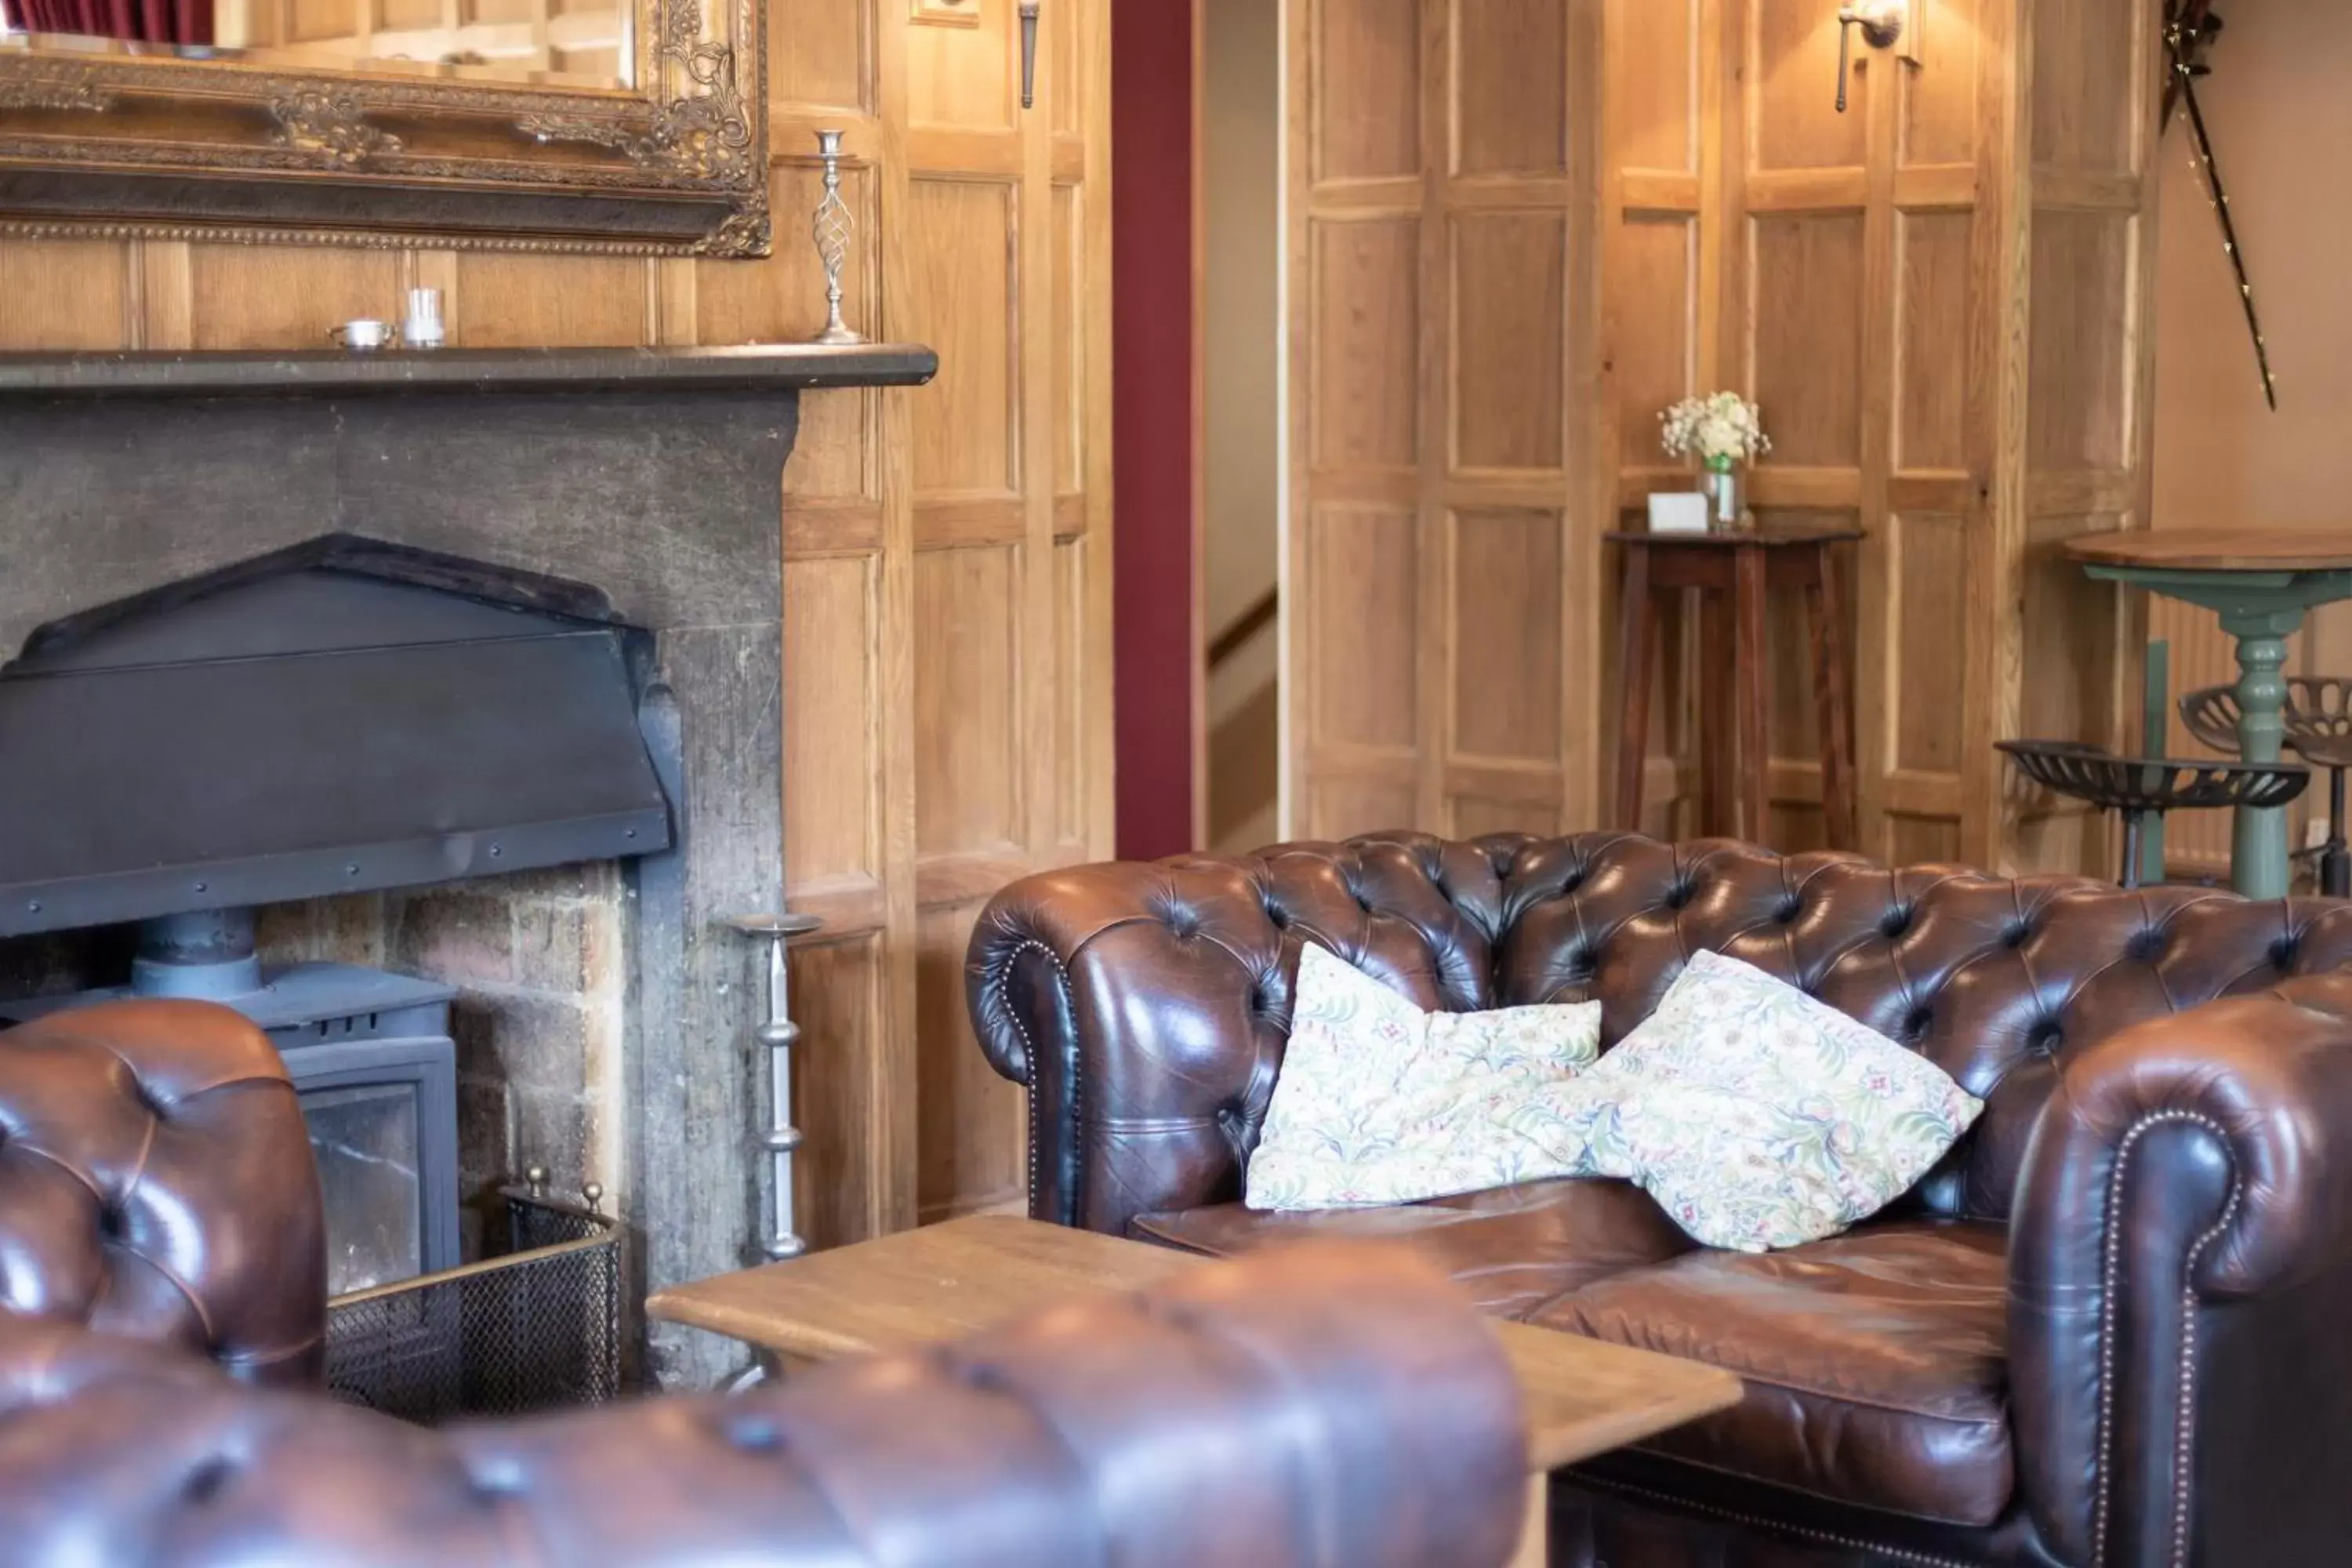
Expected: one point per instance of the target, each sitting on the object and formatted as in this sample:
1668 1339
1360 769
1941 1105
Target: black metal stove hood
343 716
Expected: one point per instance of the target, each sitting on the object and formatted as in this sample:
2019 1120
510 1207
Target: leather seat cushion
1876 1363
1513 1248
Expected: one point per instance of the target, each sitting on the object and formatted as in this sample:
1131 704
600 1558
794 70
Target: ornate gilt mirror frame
108 141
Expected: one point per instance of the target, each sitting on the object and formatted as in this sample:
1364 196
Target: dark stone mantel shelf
782 367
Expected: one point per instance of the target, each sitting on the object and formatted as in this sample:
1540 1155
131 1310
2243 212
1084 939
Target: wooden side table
1733 572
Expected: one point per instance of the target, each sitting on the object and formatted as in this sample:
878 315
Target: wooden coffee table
1580 1397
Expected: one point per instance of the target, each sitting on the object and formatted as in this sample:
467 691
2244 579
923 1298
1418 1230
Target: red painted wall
1151 421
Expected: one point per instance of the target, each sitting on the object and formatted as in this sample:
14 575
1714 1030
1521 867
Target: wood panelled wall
1443 296
1938 300
946 587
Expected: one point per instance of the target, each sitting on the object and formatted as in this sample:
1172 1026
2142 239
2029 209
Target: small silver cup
363 335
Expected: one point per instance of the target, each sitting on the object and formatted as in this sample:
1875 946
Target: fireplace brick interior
539 962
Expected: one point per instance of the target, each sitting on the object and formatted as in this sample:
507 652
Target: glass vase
1727 496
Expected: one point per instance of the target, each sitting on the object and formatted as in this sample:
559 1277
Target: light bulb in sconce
1881 23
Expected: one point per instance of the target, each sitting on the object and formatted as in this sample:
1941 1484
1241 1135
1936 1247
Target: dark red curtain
141 21
1155 658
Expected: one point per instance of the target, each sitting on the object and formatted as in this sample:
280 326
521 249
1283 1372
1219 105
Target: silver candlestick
830 228
779 1033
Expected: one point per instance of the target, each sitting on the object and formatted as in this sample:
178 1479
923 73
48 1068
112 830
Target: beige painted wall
1241 480
2281 129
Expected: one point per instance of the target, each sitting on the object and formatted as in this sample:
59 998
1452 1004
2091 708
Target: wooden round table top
2219 549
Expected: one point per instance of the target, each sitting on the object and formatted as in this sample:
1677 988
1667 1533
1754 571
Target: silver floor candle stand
779 1033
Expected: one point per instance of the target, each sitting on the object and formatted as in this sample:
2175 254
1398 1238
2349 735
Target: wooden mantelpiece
167 374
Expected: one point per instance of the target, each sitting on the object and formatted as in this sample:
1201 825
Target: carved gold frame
124 145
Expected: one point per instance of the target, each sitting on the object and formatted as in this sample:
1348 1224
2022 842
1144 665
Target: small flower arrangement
1720 430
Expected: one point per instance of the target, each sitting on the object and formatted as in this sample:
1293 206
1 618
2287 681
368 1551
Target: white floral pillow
1757 1117
1378 1102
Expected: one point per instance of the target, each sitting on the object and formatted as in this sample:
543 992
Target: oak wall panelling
946 586
1443 304
1938 299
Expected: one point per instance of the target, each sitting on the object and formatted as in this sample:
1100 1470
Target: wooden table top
2220 549
1779 533
1581 1396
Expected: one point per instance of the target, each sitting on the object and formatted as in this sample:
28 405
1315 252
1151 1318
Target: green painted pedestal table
2260 582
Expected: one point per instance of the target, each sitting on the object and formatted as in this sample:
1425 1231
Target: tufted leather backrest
1998 981
1324 1405
156 1180
1148 1004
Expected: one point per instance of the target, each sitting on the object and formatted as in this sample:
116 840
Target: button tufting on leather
753 1435
2016 934
208 1480
1679 895
2283 952
1896 921
1789 910
1915 1023
1279 916
2146 946
2045 1037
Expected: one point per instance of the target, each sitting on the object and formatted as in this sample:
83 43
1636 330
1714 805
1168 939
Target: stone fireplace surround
606 1016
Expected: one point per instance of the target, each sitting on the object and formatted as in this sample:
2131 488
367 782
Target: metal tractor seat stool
2317 720
2136 786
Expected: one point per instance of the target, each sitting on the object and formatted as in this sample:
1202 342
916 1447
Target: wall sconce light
1028 54
1881 23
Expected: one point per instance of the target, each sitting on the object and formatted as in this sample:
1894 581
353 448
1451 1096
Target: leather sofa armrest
1145 1008
1325 1403
2181 1254
156 1180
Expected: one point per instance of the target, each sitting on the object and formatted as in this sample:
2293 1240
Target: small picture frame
1678 511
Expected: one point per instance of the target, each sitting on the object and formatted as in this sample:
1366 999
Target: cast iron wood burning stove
344 715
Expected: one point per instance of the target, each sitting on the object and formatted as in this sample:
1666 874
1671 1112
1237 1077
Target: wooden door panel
1797 125
1808 337
1444 524
968 752
1931 314
2083 339
1362 85
1510 87
1364 376
1364 634
1509 375
266 296
62 295
1507 621
967 421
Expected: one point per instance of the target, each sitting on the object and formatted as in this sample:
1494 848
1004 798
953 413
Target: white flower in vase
1719 429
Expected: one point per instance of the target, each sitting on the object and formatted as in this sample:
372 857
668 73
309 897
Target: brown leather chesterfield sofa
163 1301
2114 1328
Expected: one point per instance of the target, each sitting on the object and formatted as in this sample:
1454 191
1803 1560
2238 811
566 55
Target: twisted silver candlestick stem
830 228
779 1033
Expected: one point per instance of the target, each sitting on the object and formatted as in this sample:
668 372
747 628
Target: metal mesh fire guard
536 1329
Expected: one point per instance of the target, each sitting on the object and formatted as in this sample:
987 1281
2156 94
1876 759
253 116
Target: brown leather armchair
2109 1330
161 1255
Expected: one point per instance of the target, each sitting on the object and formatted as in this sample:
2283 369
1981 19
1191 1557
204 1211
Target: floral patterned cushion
1378 1102
1757 1117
